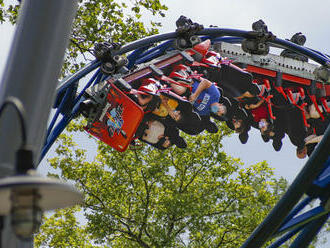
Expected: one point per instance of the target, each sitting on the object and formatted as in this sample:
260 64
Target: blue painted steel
296 48
232 40
285 237
212 32
60 107
68 81
327 57
153 53
297 209
324 179
303 219
302 182
134 56
309 232
53 134
100 77
58 130
161 48
97 75
285 43
217 32
148 41
58 111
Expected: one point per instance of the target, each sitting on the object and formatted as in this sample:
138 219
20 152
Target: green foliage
193 197
8 12
101 20
108 20
63 230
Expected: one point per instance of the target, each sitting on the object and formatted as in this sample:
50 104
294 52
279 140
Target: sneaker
243 137
211 127
180 142
277 145
265 138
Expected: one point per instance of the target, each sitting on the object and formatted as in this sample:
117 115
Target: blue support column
303 219
309 232
285 238
311 170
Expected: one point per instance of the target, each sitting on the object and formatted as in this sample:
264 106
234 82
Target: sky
283 18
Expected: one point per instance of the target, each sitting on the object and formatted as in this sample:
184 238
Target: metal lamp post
25 197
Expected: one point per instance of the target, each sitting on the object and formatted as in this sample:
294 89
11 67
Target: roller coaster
246 75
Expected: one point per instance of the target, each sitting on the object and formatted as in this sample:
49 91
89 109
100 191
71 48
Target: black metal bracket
111 63
187 58
323 73
156 71
186 30
121 84
299 39
257 41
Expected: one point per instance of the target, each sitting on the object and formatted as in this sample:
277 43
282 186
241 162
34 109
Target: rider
204 95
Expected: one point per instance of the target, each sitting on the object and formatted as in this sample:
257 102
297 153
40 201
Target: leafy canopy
101 20
197 197
193 197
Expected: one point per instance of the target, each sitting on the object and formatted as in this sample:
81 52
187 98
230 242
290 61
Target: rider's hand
192 98
176 115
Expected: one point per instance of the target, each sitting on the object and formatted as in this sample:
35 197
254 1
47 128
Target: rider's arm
203 85
254 106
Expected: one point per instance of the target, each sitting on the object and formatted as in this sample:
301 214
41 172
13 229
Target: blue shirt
207 97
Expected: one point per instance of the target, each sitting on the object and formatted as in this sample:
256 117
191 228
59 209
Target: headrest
150 88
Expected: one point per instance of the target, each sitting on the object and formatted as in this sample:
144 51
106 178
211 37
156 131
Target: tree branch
147 202
91 193
81 49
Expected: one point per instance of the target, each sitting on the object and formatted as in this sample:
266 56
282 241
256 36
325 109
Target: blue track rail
284 219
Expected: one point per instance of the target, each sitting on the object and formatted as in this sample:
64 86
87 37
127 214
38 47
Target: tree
98 21
193 197
198 197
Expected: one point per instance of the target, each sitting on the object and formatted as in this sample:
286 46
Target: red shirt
260 113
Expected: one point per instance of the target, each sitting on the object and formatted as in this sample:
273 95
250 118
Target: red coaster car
118 120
